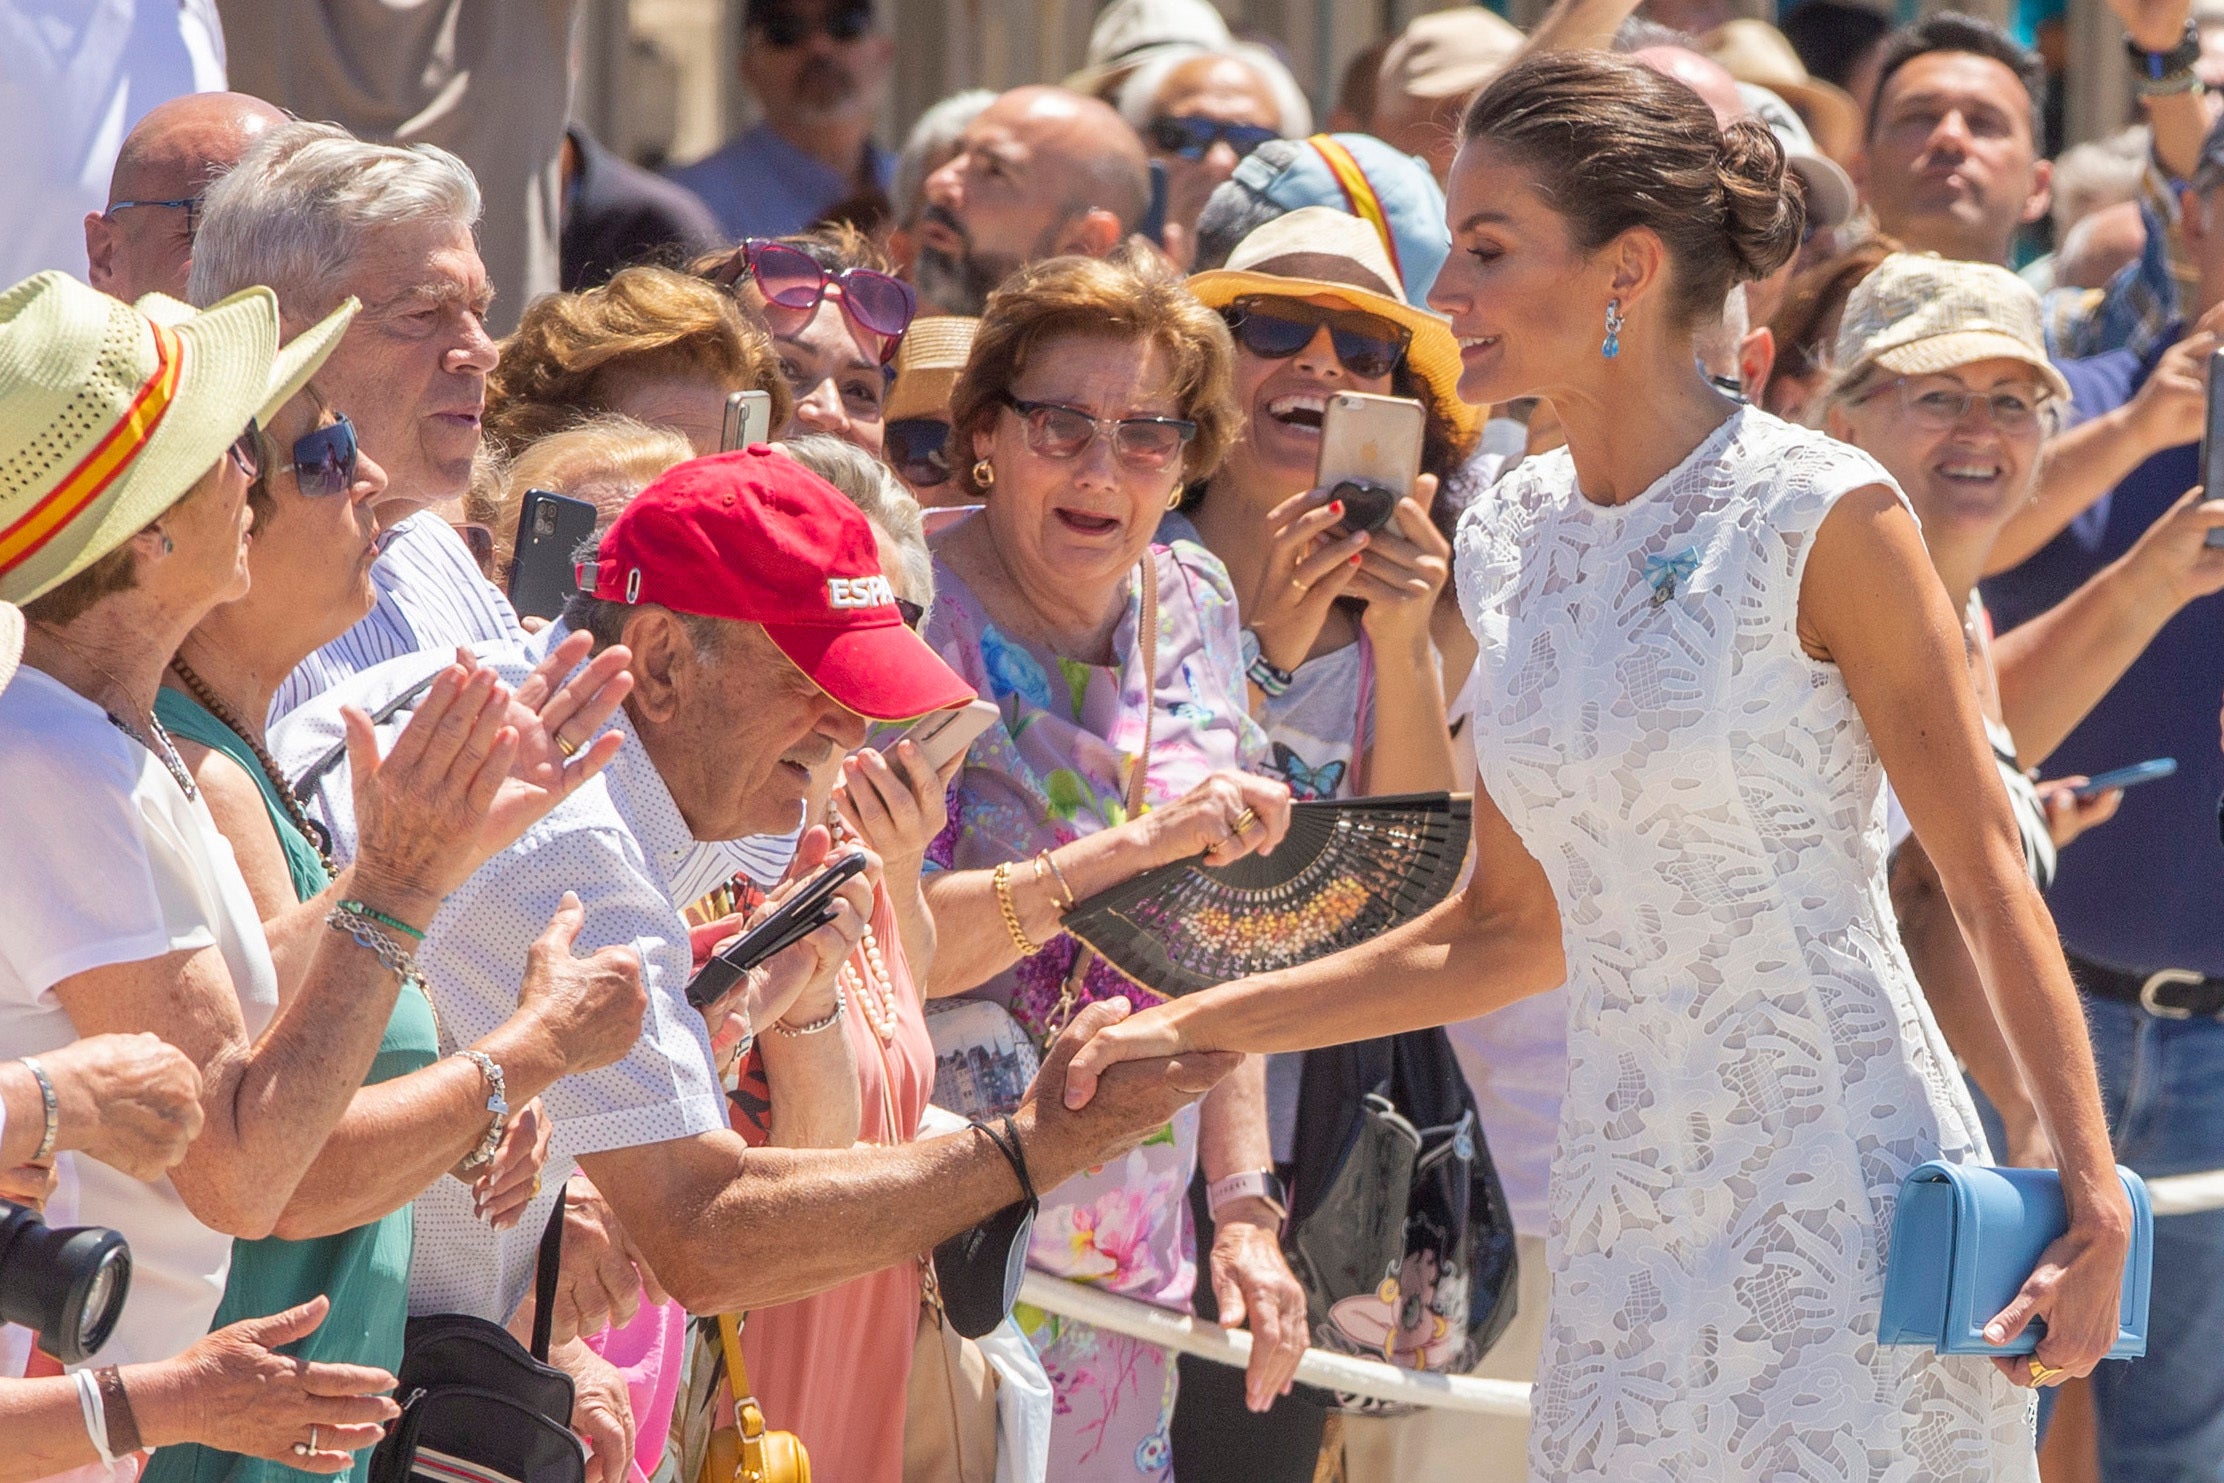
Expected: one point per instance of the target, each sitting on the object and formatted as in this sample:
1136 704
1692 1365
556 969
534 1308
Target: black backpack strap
544 1278
305 787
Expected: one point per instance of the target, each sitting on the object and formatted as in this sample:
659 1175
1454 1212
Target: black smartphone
795 919
2212 442
550 530
1152 227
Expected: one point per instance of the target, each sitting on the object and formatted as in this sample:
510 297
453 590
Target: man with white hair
1200 114
319 216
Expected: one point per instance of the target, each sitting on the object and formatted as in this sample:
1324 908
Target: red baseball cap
754 537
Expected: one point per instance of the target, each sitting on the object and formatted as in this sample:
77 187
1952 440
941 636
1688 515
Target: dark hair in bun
1616 145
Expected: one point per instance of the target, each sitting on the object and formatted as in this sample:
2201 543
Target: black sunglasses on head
1276 329
1192 136
918 449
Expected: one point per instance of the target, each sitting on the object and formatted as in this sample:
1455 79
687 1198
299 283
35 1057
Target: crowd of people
1789 544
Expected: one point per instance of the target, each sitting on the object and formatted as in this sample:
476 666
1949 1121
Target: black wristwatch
2160 73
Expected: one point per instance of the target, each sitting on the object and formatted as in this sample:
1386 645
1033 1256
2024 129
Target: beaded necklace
872 987
229 719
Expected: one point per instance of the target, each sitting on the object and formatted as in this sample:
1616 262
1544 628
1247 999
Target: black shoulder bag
476 1404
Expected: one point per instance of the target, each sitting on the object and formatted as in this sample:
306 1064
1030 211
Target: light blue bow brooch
1663 573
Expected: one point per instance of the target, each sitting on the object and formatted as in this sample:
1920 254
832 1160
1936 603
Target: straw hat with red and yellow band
110 413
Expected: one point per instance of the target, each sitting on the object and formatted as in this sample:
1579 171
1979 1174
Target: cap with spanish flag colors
754 537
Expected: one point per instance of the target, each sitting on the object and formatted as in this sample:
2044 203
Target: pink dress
835 1369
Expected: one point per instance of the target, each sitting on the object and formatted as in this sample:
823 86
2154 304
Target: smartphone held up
1370 455
2212 442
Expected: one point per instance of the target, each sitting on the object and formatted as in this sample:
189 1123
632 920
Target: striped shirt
431 595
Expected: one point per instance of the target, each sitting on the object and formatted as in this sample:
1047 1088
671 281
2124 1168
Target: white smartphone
748 420
1370 445
940 735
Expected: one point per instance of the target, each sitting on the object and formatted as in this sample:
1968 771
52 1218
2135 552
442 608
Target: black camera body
68 1285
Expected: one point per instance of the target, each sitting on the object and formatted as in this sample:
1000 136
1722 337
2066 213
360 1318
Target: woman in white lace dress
1701 629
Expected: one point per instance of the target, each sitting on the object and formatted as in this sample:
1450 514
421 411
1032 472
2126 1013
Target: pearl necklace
873 990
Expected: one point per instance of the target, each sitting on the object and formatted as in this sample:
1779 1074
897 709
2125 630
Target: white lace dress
1751 1065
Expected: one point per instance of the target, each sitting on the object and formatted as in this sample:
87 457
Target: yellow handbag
746 1452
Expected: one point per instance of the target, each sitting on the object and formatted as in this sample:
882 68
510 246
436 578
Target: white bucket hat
110 413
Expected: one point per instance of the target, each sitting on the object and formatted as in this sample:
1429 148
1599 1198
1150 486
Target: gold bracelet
1002 876
1065 892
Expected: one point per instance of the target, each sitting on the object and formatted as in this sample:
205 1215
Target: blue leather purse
1964 1238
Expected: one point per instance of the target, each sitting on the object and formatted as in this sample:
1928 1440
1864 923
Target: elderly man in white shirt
763 636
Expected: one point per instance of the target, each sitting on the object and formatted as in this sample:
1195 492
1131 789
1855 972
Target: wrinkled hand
602 1276
131 1101
238 1394
28 1184
895 805
1306 571
2175 550
1257 1290
1124 1104
1203 821
1405 566
601 1413
2067 815
798 983
2075 1288
419 808
591 1006
510 1179
551 712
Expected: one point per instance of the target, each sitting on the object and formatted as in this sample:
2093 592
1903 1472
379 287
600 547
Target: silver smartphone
748 420
1370 454
939 735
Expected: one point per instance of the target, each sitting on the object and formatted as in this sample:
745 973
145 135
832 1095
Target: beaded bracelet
372 937
1002 877
362 910
817 1026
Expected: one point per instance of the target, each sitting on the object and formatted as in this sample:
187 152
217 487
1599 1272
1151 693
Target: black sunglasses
1192 136
785 28
324 460
918 449
1276 329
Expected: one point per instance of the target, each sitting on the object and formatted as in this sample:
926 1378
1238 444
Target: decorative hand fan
1349 870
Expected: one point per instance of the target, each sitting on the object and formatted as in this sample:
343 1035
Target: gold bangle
1065 892
1002 876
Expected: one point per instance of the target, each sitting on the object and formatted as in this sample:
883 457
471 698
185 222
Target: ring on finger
569 749
2041 1372
1244 824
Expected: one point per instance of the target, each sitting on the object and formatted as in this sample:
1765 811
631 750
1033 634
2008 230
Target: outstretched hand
1119 1105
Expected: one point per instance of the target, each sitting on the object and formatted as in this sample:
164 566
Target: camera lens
68 1285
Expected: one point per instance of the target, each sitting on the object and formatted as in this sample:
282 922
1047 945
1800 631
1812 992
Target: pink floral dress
1054 770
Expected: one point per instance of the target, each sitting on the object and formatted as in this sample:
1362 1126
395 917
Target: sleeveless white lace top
1752 1067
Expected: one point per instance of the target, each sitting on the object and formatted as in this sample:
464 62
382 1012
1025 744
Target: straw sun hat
110 413
1318 251
934 350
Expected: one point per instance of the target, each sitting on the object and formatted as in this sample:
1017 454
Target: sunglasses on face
1192 136
246 452
918 449
870 300
1058 431
1276 329
791 28
324 460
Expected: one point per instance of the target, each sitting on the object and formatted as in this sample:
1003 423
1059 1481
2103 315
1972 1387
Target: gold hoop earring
1174 500
984 474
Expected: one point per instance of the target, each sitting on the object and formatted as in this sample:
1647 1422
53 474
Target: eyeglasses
1276 329
1191 136
870 300
1058 431
1938 407
190 205
910 612
785 28
918 449
324 461
246 452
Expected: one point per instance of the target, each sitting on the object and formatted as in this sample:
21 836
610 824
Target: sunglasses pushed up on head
791 279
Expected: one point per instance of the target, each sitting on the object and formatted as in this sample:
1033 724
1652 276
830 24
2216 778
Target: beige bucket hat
110 412
934 350
1320 251
1919 313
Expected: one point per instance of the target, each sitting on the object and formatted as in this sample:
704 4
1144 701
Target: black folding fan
1349 870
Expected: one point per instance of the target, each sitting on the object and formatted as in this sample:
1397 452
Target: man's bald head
1039 173
172 154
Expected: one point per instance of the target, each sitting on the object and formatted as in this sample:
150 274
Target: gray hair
294 213
1140 90
873 487
2097 174
1234 210
929 143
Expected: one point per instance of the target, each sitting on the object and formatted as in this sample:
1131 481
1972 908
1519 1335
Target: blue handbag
1964 1238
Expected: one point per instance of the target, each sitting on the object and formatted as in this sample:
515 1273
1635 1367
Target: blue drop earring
1613 345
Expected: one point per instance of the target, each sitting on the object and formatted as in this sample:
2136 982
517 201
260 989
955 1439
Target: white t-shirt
103 859
74 79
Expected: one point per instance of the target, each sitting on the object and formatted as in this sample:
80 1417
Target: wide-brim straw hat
1919 314
1129 33
1318 251
934 350
111 412
11 641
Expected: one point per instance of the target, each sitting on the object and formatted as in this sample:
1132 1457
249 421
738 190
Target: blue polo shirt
760 185
2145 890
